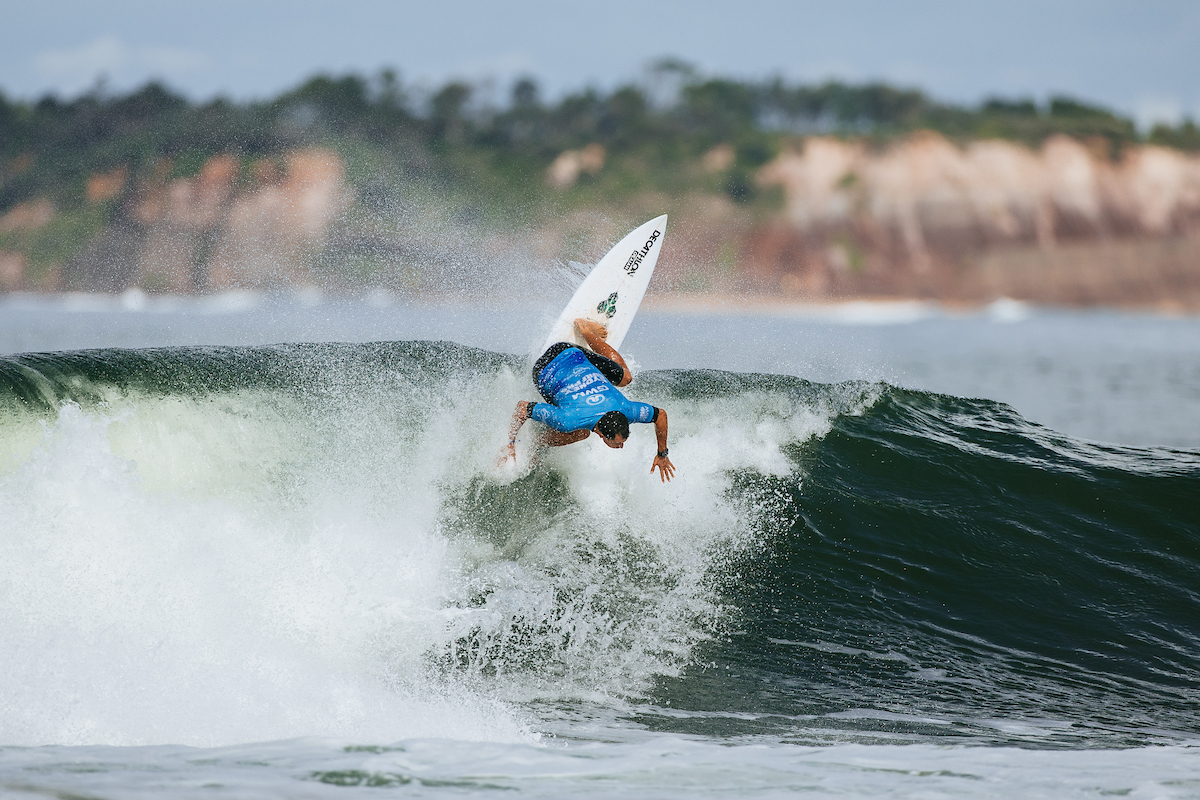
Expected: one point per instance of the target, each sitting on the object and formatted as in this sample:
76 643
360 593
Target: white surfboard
613 290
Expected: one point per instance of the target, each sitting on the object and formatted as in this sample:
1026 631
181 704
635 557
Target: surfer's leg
608 368
551 353
596 335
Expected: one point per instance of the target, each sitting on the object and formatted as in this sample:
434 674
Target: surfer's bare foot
588 328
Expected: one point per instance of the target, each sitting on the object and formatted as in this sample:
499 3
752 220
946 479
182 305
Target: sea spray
221 545
137 616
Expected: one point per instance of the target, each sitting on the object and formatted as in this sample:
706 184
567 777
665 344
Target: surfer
580 388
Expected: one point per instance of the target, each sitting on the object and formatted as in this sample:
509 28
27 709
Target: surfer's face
617 442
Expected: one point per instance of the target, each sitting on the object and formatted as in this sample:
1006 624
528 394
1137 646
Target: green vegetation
1184 137
493 157
50 245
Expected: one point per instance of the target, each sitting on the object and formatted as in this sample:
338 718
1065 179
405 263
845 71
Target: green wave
922 566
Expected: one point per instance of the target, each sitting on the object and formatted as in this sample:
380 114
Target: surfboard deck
613 290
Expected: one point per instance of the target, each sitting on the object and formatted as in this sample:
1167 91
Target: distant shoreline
768 305
867 309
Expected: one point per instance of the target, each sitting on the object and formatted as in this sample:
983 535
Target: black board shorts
609 368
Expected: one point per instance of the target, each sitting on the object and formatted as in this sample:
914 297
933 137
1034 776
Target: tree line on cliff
148 188
459 137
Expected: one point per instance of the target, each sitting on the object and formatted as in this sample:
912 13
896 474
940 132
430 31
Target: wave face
214 545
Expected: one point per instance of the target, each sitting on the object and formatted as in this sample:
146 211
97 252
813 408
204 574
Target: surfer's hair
612 424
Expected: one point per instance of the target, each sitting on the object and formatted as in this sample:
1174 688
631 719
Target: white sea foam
259 565
1008 310
135 615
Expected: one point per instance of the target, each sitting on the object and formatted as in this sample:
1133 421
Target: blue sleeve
550 415
640 412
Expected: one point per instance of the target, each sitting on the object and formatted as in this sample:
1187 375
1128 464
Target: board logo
608 307
635 260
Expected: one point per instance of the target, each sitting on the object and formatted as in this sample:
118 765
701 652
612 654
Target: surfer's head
613 428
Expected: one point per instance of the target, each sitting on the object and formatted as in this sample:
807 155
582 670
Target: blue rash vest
582 395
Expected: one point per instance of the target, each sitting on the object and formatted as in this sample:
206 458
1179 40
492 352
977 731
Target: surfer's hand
509 454
666 470
589 328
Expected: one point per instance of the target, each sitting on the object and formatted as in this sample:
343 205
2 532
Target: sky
1138 58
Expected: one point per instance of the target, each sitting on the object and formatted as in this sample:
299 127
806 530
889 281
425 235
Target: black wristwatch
663 453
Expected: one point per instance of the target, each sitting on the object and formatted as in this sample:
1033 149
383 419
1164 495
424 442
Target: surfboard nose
613 290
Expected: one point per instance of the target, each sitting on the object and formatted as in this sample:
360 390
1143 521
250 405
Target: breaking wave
216 545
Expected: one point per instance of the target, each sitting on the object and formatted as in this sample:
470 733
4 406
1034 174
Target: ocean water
259 548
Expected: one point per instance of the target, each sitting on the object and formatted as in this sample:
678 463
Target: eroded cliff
1064 223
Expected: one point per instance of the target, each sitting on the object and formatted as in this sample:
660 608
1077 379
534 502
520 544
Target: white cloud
73 69
104 55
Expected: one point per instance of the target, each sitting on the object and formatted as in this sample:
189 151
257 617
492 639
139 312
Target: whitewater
252 569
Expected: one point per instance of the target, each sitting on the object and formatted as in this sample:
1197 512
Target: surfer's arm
553 438
666 470
594 334
549 436
521 413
